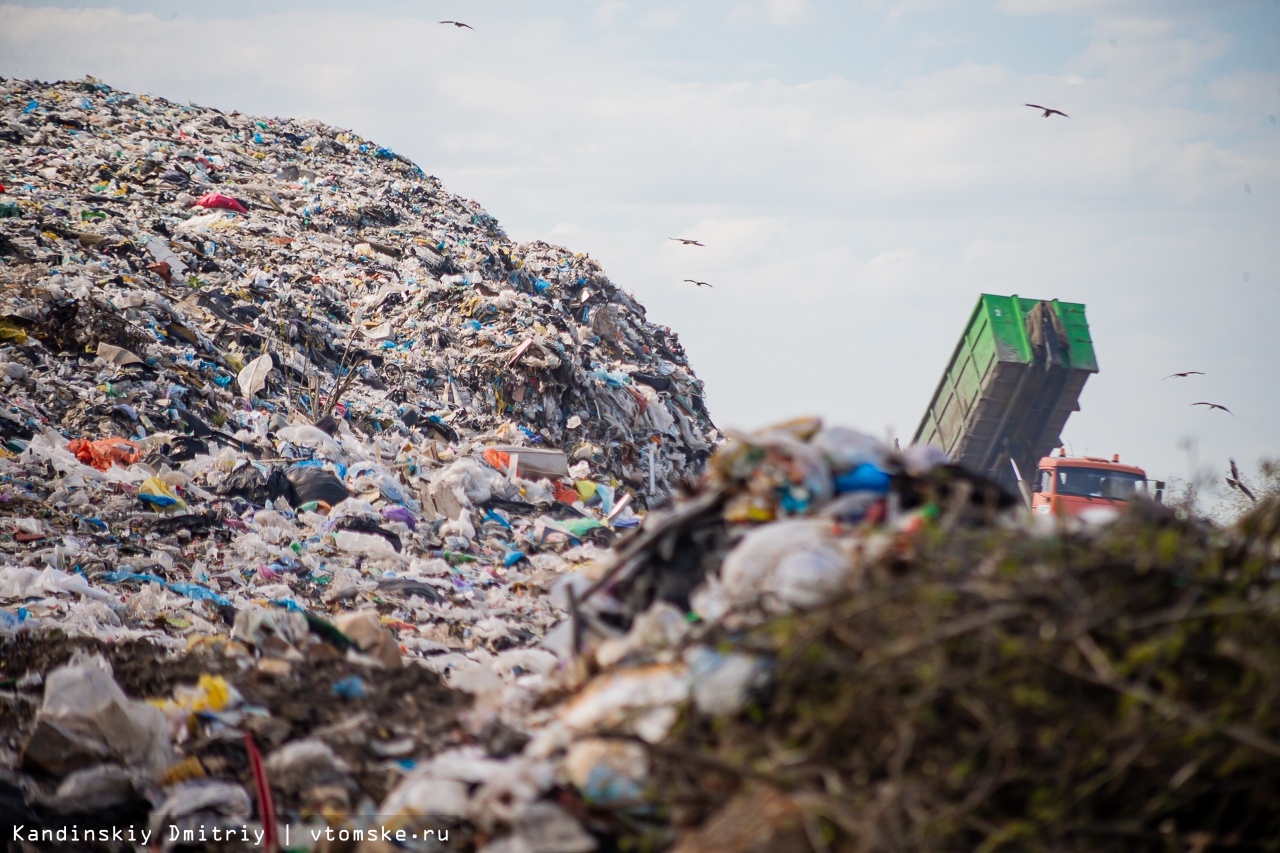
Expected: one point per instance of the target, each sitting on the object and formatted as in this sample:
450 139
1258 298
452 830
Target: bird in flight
699 283
1234 482
1215 406
685 242
1185 374
1048 112
458 24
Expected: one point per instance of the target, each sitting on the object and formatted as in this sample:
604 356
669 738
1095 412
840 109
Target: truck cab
1069 485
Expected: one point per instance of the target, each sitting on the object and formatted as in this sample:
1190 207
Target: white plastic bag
253 378
82 699
783 566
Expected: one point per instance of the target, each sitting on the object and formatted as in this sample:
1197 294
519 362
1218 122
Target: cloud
784 13
932 41
1142 56
662 18
1082 8
895 10
1249 92
608 13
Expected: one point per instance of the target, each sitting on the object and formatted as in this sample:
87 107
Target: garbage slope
152 251
279 415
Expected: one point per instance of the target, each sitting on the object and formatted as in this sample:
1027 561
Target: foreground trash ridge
324 508
1007 690
955 676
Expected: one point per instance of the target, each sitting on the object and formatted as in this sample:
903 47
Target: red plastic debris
220 202
162 269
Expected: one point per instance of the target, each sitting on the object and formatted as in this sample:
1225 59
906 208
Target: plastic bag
253 378
86 719
543 827
864 477
471 482
94 789
158 495
105 452
785 565
310 436
303 763
217 201
364 544
257 625
248 482
21 583
315 485
190 805
399 514
644 698
722 683
422 794
210 693
609 772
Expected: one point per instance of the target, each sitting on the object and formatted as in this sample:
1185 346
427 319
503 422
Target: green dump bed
1014 379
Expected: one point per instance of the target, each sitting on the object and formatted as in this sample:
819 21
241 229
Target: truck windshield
1099 483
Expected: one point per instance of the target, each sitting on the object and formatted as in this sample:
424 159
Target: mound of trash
835 646
333 520
277 410
193 280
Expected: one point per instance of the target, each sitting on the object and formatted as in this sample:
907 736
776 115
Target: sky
859 171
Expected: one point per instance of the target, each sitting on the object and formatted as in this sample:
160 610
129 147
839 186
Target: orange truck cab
1069 485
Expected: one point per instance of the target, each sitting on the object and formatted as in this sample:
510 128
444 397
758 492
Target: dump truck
1068 485
1001 405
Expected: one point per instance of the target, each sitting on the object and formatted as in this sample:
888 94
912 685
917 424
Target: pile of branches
997 688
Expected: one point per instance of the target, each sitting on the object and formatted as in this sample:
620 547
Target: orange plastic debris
105 452
497 459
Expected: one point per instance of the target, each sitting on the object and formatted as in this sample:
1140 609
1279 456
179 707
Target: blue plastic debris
157 501
490 515
863 478
351 687
190 590
12 621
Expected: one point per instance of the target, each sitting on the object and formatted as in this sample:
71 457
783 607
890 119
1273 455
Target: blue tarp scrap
190 590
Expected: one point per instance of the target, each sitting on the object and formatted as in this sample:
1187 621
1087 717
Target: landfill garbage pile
180 275
286 432
836 646
243 588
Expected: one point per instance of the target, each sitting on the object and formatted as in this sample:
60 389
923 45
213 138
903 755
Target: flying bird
1048 112
699 283
685 242
1215 406
1184 374
1234 482
458 24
